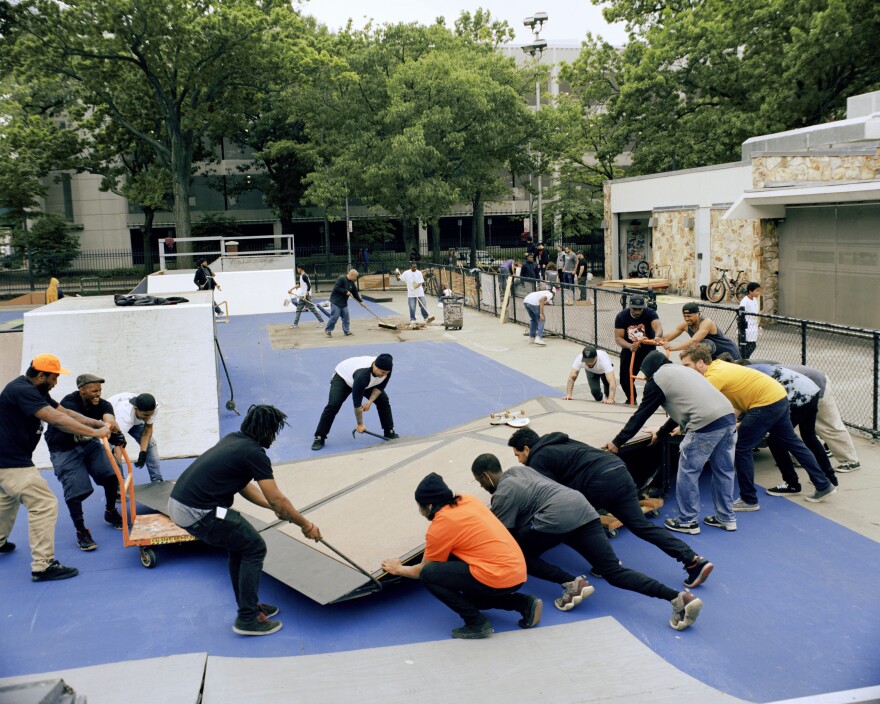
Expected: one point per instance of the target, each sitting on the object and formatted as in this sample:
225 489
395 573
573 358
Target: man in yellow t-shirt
762 403
487 566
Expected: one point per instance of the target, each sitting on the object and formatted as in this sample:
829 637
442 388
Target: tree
195 60
50 242
697 79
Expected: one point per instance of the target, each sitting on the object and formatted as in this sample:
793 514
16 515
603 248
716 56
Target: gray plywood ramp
587 661
176 679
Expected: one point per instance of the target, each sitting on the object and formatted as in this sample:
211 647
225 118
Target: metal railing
89 272
849 356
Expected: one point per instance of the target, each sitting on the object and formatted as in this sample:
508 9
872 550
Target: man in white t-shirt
135 414
750 304
534 304
597 364
415 291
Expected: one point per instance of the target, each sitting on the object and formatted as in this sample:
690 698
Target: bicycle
733 287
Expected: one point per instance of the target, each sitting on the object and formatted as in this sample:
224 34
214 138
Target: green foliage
214 225
50 242
370 232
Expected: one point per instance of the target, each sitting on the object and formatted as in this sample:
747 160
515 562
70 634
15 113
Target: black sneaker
716 522
260 626
319 443
531 612
691 527
391 435
113 518
698 572
54 572
84 540
483 629
348 334
328 333
268 610
7 547
784 490
832 477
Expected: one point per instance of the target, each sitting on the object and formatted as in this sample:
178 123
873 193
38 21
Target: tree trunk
147 233
181 166
477 233
327 263
435 242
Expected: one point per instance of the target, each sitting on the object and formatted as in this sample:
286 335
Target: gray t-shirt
524 497
570 262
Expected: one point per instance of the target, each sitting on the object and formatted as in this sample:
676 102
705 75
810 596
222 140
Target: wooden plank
507 289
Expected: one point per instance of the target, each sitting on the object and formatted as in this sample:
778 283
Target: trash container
452 312
232 247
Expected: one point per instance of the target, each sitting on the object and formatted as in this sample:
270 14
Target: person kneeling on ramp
201 501
354 376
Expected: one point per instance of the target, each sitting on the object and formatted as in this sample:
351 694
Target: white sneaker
531 340
539 341
320 325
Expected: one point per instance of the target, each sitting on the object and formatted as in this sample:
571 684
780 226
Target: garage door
829 264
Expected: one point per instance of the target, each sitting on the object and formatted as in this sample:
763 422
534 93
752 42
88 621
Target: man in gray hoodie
708 422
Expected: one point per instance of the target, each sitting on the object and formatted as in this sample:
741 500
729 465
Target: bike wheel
715 291
642 269
741 291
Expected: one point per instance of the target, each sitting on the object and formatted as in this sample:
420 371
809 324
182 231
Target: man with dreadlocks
201 501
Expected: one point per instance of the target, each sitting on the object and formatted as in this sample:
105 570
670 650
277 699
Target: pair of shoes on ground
318 443
260 626
697 572
537 341
531 616
693 528
84 540
817 496
574 593
54 572
848 467
685 609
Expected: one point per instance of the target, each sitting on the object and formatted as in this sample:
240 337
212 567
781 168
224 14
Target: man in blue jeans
201 504
136 415
763 405
343 289
708 422
534 303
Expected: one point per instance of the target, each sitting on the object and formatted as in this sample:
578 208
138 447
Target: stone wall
767 170
674 246
610 255
769 253
734 245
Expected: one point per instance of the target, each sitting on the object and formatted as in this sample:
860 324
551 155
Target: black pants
616 492
594 380
339 391
589 542
246 553
453 584
803 418
625 356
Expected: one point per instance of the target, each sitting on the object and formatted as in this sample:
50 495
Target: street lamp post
489 237
535 49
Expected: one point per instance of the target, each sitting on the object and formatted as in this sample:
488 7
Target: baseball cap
637 302
84 379
48 363
690 308
143 402
590 354
384 362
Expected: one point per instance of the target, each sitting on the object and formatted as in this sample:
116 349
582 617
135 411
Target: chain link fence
849 356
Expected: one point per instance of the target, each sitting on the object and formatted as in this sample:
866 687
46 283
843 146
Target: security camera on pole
535 49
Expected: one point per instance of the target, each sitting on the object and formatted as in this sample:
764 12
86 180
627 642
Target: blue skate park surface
791 610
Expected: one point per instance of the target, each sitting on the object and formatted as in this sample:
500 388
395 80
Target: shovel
368 432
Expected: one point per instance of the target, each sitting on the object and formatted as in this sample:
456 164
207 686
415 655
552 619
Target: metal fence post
596 317
741 324
562 295
876 380
804 342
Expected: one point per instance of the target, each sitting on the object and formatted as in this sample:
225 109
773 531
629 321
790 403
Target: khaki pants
24 485
830 427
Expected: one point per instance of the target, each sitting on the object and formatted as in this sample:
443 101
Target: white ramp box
167 351
246 291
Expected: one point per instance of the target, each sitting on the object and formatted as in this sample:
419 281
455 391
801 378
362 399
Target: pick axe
369 432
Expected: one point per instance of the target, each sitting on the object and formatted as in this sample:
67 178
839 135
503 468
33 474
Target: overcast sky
568 23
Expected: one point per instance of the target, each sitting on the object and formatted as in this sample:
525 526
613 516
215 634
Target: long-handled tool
351 562
230 404
382 323
368 432
430 318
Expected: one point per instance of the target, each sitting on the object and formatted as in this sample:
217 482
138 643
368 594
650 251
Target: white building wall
102 214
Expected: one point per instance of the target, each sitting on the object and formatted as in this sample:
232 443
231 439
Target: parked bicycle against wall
735 288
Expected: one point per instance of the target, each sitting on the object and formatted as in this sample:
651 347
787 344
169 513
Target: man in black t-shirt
75 458
201 504
24 405
343 289
632 326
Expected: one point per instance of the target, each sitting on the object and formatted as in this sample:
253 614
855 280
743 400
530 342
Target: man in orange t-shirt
471 562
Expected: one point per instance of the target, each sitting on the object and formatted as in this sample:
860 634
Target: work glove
142 459
117 439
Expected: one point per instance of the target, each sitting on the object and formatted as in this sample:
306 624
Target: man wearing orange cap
24 405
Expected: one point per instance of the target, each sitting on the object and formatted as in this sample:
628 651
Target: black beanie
384 362
433 490
653 362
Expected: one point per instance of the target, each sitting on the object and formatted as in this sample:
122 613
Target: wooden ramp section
174 679
364 501
552 664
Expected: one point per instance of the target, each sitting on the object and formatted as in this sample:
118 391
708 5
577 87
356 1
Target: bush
51 242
